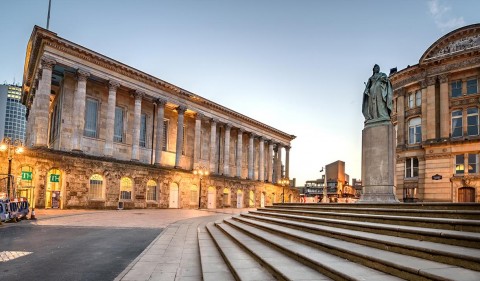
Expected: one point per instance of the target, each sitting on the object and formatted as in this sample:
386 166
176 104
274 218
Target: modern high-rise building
12 115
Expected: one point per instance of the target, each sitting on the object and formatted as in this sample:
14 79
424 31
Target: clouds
442 17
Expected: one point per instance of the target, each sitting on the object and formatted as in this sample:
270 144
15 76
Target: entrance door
239 199
53 196
262 200
466 194
211 198
173 202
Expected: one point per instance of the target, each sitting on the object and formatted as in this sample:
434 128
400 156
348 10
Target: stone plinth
378 164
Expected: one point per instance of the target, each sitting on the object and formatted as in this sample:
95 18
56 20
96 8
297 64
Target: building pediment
459 41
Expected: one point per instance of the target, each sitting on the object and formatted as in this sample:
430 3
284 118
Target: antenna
48 16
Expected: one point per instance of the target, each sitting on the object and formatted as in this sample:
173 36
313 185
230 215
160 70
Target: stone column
197 146
239 153
110 120
79 100
42 102
250 156
429 128
270 161
213 146
279 163
160 104
287 162
181 114
444 107
226 153
137 111
261 165
401 117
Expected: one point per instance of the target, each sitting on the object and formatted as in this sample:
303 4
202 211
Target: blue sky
298 66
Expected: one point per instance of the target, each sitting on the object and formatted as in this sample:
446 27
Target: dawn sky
299 66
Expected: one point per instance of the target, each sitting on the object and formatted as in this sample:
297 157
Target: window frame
116 137
411 100
91 132
418 98
417 131
460 122
166 124
411 167
474 164
129 189
96 194
475 116
142 142
470 87
149 193
456 89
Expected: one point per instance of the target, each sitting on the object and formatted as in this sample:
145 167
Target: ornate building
101 134
436 114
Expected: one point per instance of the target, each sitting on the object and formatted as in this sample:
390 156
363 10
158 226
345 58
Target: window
151 190
143 130
183 139
165 134
415 131
456 88
418 98
411 101
411 167
54 122
472 86
95 190
457 124
459 164
472 163
91 115
118 129
126 188
193 195
472 121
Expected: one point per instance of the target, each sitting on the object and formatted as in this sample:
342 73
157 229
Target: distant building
436 117
12 113
357 185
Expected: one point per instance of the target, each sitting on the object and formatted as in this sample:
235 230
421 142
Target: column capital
48 62
138 94
213 121
240 131
181 109
431 80
82 74
228 126
443 78
160 101
287 147
113 85
252 135
261 138
401 92
199 116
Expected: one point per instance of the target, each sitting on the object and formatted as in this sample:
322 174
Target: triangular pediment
464 39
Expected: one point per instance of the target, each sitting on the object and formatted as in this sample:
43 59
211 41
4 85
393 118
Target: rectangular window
418 98
456 88
91 117
414 131
95 191
151 193
411 103
165 134
457 124
118 123
143 130
472 86
472 163
459 164
472 121
411 167
183 139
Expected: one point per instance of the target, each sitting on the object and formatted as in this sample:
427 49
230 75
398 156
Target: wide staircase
433 241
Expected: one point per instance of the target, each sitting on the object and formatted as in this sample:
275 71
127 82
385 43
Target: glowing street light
283 182
200 171
12 148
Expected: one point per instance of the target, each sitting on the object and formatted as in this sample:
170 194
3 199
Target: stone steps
285 242
408 206
427 222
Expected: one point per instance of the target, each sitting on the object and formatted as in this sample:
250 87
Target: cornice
41 37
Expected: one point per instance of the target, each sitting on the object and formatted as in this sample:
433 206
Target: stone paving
172 256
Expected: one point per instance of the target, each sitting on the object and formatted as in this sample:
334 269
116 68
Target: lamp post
283 183
201 171
12 147
325 195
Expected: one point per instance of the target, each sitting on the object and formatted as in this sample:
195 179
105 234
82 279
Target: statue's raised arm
377 98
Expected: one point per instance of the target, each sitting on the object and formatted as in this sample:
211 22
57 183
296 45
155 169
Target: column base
77 150
378 194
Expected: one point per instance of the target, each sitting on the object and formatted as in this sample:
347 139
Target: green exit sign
54 178
26 176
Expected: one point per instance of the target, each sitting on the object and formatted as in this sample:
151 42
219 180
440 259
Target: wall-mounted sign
26 176
54 178
436 177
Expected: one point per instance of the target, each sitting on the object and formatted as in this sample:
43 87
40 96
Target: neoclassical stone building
102 134
436 114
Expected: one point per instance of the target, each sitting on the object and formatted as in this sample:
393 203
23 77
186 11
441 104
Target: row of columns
40 113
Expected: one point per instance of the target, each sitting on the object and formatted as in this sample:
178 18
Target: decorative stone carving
423 84
138 94
82 74
443 78
181 109
160 101
48 62
459 45
431 81
413 111
113 85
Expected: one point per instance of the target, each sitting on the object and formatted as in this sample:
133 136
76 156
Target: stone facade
436 116
108 130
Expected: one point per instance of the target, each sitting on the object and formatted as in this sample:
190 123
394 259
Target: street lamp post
283 183
12 148
201 171
325 186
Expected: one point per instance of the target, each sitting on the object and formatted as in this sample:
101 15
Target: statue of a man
377 97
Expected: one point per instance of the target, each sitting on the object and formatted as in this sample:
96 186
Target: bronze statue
377 97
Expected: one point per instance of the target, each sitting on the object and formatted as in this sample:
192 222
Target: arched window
95 190
415 130
126 187
151 190
193 195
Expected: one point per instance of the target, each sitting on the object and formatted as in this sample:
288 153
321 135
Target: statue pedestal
378 163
